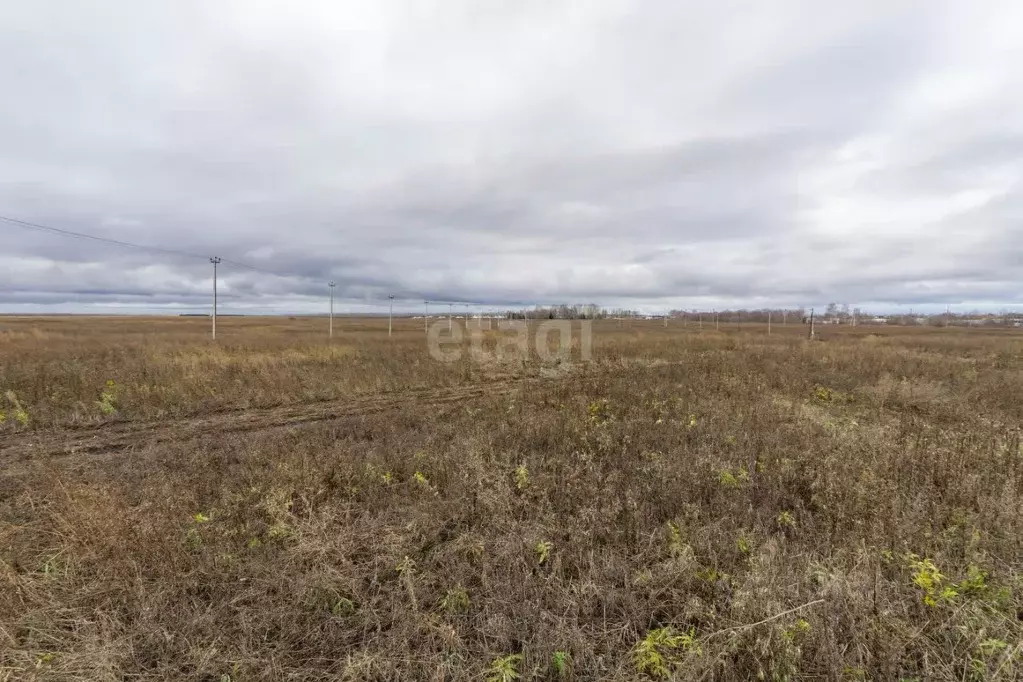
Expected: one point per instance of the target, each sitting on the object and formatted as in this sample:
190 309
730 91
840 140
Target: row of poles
426 311
215 260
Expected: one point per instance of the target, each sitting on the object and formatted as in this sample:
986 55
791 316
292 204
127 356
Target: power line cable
246 266
189 254
81 235
142 247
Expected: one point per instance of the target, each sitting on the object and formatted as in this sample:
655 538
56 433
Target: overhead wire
38 227
142 247
82 235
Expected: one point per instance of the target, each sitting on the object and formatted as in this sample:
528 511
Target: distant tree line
589 311
833 313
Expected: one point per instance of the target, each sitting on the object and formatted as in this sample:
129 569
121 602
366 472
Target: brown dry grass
272 508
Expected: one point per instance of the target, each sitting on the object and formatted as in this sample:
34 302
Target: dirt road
120 436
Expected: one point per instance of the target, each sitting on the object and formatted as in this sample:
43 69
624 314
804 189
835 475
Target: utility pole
451 306
811 323
215 260
466 315
716 327
768 322
390 312
426 316
330 325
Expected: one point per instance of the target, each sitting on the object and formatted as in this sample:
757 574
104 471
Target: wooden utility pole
330 325
390 314
215 260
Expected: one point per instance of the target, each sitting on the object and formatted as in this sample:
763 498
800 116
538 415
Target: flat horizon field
686 504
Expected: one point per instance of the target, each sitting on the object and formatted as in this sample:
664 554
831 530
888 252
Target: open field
690 504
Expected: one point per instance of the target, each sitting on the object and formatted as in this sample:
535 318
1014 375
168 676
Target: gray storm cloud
647 154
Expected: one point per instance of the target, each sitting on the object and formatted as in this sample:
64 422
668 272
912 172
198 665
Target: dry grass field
689 504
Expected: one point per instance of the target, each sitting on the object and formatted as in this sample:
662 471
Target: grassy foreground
689 505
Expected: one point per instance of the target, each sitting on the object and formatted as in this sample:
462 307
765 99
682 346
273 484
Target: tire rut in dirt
124 435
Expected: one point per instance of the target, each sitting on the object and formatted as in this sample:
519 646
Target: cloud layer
654 154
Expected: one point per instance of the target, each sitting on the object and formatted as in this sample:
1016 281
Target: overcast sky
647 153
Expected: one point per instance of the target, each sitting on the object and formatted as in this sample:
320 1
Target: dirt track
120 436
